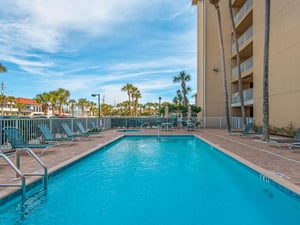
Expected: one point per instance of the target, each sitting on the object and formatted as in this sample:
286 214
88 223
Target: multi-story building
284 61
30 107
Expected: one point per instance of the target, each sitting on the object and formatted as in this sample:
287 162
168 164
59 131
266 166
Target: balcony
245 66
243 39
248 98
243 11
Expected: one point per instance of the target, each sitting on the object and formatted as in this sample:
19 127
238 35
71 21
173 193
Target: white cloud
47 39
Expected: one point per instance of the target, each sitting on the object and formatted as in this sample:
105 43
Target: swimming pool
129 130
146 180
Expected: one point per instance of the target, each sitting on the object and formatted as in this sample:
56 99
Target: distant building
284 66
31 106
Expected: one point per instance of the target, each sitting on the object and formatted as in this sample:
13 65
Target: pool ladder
23 176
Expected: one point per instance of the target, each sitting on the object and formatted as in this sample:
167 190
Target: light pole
99 110
159 99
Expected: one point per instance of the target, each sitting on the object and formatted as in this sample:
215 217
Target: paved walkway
282 165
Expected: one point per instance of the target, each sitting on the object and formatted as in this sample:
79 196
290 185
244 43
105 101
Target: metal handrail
19 173
45 174
16 168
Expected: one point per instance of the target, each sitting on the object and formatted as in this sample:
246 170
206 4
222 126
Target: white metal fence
29 126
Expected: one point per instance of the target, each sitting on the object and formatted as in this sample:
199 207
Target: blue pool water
167 181
129 130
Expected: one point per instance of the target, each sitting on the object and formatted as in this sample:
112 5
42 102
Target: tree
2 68
20 106
62 98
238 62
266 135
10 100
53 99
178 99
92 107
222 56
135 96
72 103
183 77
44 100
82 103
128 88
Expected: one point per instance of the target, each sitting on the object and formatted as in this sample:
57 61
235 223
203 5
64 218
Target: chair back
67 129
93 125
80 126
297 136
248 127
14 137
46 132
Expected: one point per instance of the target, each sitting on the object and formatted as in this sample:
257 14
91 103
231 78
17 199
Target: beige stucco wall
284 63
213 95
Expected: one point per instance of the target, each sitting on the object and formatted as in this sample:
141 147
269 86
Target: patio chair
49 138
190 125
71 134
291 142
251 133
94 127
17 141
294 145
246 130
83 131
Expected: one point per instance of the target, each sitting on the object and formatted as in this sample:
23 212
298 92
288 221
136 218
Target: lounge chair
49 138
71 134
252 133
291 142
247 129
94 128
83 131
17 141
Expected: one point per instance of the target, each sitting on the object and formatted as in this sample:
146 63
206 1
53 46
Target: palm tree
128 88
135 96
62 98
222 54
3 101
72 103
183 78
179 98
92 107
10 100
53 99
20 106
2 68
266 135
82 103
44 100
240 82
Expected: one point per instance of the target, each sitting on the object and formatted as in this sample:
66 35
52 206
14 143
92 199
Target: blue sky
97 46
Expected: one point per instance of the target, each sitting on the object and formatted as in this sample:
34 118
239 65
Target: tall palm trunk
238 62
266 135
222 54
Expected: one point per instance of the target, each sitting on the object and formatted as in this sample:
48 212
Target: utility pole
2 97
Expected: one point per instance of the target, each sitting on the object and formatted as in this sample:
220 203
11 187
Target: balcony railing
248 98
243 39
246 65
242 11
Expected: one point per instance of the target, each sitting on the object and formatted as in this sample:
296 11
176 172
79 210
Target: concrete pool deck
281 165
